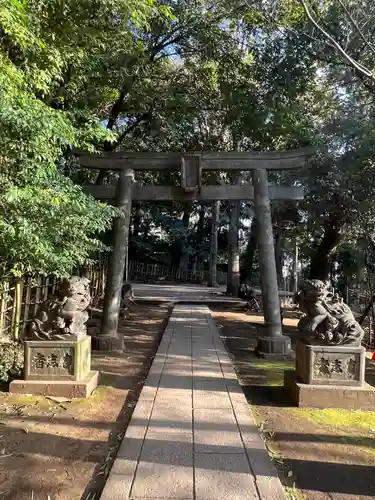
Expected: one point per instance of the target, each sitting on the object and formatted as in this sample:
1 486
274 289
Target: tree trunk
137 220
295 270
320 263
212 277
184 252
248 262
233 281
199 259
279 254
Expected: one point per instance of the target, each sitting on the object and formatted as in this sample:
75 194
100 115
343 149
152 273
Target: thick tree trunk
233 281
212 277
320 263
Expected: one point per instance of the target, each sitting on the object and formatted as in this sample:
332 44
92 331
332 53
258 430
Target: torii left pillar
109 339
273 344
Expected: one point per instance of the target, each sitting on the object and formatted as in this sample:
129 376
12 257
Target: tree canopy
145 75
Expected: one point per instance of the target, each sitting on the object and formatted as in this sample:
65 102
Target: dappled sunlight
70 441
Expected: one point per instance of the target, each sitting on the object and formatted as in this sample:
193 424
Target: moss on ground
354 419
273 370
362 421
96 397
17 400
27 400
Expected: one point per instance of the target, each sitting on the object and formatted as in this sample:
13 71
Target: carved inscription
52 361
325 367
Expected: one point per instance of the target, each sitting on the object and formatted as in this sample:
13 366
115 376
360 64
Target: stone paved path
192 435
187 293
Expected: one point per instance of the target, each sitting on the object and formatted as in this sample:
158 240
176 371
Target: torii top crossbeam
225 161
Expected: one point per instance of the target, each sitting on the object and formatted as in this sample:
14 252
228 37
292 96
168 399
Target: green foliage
47 224
142 75
49 227
11 361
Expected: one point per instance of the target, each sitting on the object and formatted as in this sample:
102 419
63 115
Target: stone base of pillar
274 347
70 389
107 343
328 396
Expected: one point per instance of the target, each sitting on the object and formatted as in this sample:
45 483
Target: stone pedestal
57 368
277 347
329 377
330 365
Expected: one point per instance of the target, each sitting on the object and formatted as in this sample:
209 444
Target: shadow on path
327 464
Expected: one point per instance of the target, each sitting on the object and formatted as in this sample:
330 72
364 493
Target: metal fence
141 271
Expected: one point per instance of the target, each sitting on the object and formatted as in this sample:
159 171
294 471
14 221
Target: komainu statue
326 316
63 317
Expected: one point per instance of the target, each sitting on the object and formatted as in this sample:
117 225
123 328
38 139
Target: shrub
11 361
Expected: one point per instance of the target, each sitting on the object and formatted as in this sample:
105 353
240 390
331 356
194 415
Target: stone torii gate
273 343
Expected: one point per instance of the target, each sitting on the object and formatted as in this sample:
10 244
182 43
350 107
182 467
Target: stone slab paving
192 435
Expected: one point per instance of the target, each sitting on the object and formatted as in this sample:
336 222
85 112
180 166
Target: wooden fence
20 299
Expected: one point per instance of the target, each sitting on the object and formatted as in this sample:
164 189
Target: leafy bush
47 224
11 361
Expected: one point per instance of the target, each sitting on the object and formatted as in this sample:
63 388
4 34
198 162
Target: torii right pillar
273 344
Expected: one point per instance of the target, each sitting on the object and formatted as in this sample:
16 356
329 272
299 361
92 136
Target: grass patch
273 371
339 418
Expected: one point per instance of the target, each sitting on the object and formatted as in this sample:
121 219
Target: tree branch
355 64
103 173
132 126
115 111
352 20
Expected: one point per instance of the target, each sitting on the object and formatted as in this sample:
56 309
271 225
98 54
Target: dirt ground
321 454
63 451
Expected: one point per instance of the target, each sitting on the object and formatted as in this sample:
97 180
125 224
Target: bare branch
355 64
352 20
